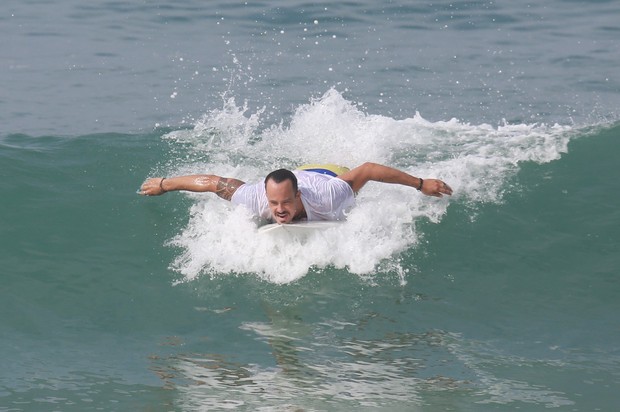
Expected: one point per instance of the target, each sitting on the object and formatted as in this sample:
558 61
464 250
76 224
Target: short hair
280 176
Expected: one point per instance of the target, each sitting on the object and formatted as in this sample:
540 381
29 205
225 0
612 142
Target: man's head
283 195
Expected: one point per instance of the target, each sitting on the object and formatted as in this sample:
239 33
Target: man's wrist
421 184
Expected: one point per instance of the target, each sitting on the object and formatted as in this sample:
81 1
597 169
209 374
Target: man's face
283 200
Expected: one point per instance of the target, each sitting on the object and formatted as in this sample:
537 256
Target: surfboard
325 168
298 228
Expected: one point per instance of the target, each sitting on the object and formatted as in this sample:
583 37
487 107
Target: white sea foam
476 160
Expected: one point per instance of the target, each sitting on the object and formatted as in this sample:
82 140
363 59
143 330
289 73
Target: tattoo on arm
225 187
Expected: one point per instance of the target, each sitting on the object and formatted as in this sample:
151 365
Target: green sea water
498 304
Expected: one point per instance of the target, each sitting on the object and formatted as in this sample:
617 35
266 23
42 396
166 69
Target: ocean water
501 297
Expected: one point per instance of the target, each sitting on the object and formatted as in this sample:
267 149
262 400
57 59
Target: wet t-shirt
324 197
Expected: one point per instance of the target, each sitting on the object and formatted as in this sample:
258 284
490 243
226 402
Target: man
286 196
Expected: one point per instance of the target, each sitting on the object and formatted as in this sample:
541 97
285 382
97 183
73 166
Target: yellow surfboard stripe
325 168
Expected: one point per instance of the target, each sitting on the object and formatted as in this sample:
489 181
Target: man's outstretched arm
361 175
224 187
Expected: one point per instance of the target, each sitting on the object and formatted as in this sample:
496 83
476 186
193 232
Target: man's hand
435 187
153 187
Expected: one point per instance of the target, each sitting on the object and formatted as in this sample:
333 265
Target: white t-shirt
324 197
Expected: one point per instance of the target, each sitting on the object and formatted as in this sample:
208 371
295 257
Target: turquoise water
502 297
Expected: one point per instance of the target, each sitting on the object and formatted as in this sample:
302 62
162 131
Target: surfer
286 196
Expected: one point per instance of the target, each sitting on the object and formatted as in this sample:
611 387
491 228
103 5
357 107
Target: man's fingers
438 189
149 187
